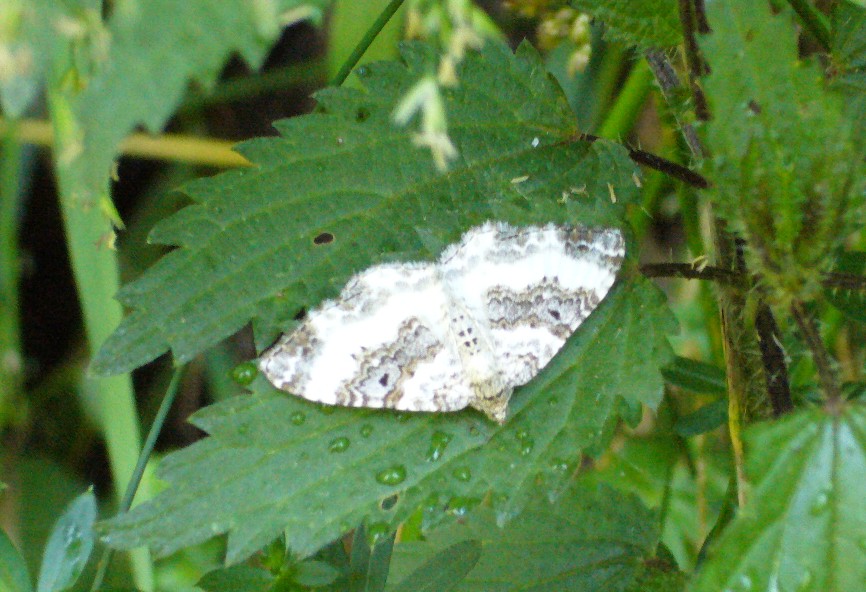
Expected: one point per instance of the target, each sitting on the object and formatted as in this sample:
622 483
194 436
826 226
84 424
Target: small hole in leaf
324 239
388 503
362 114
754 107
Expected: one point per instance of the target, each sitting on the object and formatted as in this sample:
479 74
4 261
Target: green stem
621 117
823 363
814 21
10 328
365 42
141 464
89 235
606 82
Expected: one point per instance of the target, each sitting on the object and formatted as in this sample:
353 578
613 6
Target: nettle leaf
592 538
851 301
786 157
344 188
804 526
279 464
139 67
849 43
644 23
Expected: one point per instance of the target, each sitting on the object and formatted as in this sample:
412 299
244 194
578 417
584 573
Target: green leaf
137 67
69 546
644 23
787 162
237 578
705 419
804 527
592 538
852 302
697 377
849 43
13 570
248 248
444 570
271 465
368 565
316 573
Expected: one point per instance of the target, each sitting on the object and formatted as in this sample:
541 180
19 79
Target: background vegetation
703 430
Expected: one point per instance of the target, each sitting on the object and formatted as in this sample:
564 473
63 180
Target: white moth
463 331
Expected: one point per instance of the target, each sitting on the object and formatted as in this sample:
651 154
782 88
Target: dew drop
526 446
820 503
340 444
552 402
438 443
376 531
244 373
431 502
460 506
297 418
558 465
366 430
392 475
462 474
521 434
402 417
71 534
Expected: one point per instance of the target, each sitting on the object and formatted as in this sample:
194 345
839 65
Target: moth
463 331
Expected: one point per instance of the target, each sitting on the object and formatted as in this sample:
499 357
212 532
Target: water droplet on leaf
438 442
392 475
462 474
558 465
366 430
820 503
297 418
340 444
460 506
376 531
244 373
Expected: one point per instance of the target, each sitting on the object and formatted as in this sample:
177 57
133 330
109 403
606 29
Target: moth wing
383 343
531 287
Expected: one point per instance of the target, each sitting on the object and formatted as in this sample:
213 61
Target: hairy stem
820 355
814 21
695 63
690 272
773 356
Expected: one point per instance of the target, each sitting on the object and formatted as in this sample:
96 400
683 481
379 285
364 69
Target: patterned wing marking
532 287
382 343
